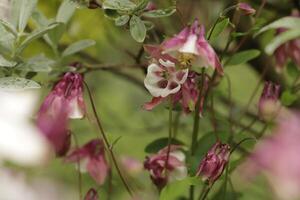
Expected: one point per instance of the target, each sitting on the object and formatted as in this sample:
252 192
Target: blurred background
119 94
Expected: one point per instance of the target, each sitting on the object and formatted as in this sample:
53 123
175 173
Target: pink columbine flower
278 157
67 94
288 50
91 195
92 160
161 173
268 103
164 79
63 102
246 9
213 164
191 48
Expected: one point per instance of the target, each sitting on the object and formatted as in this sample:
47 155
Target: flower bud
91 195
268 102
162 170
246 9
213 165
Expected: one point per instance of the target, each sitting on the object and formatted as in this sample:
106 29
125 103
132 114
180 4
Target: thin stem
78 166
196 127
204 192
197 116
170 130
176 124
107 144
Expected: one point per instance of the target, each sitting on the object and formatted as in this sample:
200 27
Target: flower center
186 59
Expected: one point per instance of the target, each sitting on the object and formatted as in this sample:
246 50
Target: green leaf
122 5
243 57
21 12
288 98
141 6
177 188
160 13
6 63
78 46
219 28
120 21
38 63
7 40
159 144
285 22
9 27
281 39
54 35
17 84
35 35
292 70
65 11
137 29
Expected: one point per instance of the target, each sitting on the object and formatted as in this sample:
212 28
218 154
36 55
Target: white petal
190 46
75 111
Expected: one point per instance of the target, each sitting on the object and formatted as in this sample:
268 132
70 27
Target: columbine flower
213 165
246 9
288 50
160 172
187 96
268 103
278 157
192 48
21 142
63 102
91 195
92 159
66 94
164 79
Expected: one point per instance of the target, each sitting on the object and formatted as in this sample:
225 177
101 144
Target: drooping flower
92 160
278 157
164 79
269 104
160 172
191 48
214 163
288 50
63 102
246 9
91 195
67 94
21 142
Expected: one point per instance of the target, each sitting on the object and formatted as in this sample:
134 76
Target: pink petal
153 103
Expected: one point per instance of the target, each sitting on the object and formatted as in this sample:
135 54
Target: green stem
204 192
170 130
197 116
78 166
196 127
107 144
